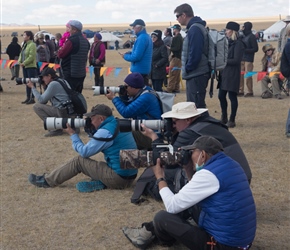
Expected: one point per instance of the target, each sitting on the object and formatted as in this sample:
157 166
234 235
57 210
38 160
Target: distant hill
16 24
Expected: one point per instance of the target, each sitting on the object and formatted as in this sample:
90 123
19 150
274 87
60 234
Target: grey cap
207 143
100 109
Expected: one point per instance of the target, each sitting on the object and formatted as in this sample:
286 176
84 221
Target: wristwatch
160 179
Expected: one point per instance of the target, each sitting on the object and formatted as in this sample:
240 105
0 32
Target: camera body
68 105
134 158
20 81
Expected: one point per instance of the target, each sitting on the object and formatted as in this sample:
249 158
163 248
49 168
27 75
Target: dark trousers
99 80
146 79
169 228
196 90
224 104
29 73
157 84
76 84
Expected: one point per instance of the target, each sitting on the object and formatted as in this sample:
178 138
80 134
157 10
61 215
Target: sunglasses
179 15
268 50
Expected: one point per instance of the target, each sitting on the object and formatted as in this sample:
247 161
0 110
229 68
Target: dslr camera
20 81
134 158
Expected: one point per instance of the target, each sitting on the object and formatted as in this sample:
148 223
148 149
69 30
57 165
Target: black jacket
251 47
159 60
13 50
207 125
230 76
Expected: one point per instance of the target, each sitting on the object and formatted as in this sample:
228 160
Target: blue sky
58 12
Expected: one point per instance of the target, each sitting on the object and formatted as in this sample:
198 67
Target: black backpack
78 100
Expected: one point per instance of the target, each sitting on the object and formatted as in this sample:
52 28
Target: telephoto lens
127 125
20 81
104 90
51 123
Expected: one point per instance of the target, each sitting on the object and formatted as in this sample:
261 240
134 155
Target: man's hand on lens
148 132
69 130
110 95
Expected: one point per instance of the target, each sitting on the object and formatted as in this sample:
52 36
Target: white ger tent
109 38
273 32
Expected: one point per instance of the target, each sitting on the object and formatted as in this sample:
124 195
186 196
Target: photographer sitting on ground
106 139
54 93
137 103
217 197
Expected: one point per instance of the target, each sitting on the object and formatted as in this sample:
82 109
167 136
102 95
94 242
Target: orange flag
103 69
109 70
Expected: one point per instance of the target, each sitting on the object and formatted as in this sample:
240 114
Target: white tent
273 32
108 37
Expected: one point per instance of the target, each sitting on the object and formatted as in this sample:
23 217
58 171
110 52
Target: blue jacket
141 54
144 106
122 141
229 215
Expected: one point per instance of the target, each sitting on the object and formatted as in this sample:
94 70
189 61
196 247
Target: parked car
128 31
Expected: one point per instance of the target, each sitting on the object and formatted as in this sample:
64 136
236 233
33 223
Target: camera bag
77 99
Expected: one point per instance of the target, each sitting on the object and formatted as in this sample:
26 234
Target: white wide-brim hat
183 110
287 19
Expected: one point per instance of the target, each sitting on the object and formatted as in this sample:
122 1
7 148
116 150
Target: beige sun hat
183 110
287 19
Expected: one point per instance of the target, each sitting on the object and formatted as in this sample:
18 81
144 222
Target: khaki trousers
97 170
43 111
247 67
173 83
275 84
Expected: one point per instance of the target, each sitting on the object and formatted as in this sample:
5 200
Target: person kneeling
106 139
217 197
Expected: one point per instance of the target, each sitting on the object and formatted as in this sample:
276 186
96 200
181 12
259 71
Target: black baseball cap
138 22
207 143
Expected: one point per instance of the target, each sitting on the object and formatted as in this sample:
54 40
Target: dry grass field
64 219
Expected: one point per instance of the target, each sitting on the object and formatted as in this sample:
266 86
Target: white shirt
202 185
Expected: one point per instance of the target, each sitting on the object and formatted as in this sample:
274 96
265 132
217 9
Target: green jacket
29 51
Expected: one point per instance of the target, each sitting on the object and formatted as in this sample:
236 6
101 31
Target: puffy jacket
144 106
141 54
195 50
231 222
74 64
122 141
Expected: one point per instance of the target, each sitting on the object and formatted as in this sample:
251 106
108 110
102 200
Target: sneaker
266 95
31 101
54 133
89 186
38 180
231 124
139 237
249 95
278 96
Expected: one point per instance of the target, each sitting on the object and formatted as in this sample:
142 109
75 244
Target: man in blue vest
106 139
217 197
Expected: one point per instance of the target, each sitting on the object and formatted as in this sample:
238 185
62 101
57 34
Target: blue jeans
29 73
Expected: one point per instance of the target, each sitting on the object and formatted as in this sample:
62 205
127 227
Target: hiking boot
224 119
249 95
38 180
278 96
31 101
266 94
231 124
24 102
89 186
54 133
139 237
